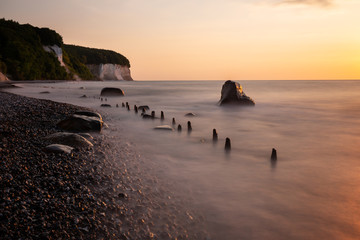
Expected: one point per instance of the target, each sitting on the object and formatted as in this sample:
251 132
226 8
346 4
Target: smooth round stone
71 139
59 148
164 127
190 115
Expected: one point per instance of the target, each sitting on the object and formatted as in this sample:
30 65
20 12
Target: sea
312 190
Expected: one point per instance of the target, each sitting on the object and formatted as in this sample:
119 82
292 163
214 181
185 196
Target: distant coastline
32 53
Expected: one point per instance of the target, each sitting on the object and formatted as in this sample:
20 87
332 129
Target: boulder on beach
69 139
81 123
109 91
58 148
89 114
232 94
88 135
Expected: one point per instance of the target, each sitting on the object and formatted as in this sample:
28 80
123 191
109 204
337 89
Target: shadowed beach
82 195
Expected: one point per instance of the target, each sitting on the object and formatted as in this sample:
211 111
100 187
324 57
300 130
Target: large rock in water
109 91
81 123
232 94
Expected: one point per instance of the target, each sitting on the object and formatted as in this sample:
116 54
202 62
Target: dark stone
81 123
109 91
162 115
146 107
147 116
122 195
179 128
45 92
153 114
105 105
83 96
135 109
232 93
173 121
190 115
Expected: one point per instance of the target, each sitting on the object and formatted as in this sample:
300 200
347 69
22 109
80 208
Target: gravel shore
83 195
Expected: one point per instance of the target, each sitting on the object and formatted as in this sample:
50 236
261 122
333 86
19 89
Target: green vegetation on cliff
78 67
96 56
23 57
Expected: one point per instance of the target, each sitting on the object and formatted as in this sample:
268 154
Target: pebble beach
97 192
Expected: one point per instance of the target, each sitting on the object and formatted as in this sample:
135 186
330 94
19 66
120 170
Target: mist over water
311 192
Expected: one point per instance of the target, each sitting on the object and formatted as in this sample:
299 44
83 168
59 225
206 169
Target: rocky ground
82 195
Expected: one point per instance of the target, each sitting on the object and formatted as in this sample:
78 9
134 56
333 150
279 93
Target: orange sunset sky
210 39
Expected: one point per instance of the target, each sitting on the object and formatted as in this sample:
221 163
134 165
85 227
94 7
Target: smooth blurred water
311 192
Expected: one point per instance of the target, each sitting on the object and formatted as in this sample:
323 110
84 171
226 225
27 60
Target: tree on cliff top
96 56
21 50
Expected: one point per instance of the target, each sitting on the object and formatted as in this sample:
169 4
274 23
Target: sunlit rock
164 127
89 114
69 139
58 148
232 94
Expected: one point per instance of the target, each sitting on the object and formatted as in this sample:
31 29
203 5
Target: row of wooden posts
189 127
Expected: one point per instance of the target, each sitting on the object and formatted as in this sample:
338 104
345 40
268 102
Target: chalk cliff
57 51
101 71
59 54
110 71
32 53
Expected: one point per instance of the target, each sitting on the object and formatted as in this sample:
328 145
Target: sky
210 39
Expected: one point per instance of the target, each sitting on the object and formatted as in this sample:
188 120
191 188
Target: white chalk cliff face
101 71
110 71
58 52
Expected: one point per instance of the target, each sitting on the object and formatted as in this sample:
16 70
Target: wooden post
189 126
227 144
215 135
273 155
